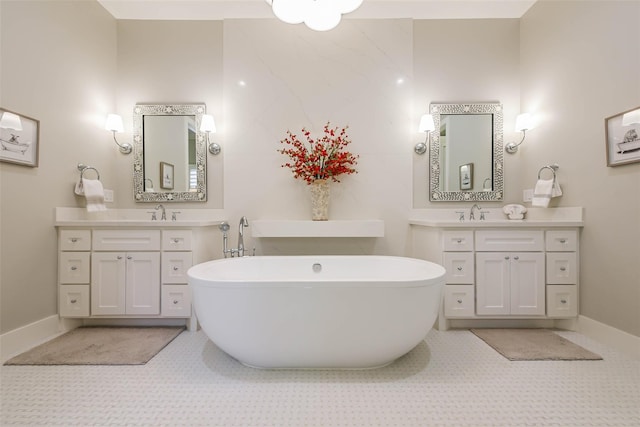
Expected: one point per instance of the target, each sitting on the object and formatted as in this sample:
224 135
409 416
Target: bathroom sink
71 217
494 217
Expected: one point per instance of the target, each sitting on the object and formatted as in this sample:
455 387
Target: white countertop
495 218
78 217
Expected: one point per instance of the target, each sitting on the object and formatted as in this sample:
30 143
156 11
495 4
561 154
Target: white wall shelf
301 228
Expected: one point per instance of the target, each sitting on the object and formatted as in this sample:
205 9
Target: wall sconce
426 125
114 124
208 125
523 124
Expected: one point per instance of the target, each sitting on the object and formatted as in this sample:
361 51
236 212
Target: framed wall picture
19 138
466 176
166 176
622 137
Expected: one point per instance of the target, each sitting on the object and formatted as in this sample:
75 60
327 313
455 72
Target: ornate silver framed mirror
170 161
465 152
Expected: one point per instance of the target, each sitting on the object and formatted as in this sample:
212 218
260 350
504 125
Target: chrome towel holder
553 168
83 168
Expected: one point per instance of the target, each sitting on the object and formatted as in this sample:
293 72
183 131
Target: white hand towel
556 191
542 193
94 193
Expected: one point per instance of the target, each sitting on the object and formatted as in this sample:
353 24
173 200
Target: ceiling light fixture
319 15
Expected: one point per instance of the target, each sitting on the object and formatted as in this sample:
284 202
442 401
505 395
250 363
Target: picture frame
19 138
622 137
466 176
166 176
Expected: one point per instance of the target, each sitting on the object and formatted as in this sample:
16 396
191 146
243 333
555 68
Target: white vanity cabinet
125 272
510 282
108 272
512 271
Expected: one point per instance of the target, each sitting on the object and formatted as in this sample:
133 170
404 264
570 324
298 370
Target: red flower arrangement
324 158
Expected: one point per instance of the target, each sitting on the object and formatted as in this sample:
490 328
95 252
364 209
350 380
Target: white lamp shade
291 11
629 118
207 124
523 122
426 123
322 16
10 121
114 123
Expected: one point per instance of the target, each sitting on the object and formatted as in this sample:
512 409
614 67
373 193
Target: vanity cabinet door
108 282
527 283
143 283
493 292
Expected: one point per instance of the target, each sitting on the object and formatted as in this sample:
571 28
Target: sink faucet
163 217
471 212
243 223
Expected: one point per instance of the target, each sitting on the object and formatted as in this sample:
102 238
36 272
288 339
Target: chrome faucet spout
243 223
164 214
472 215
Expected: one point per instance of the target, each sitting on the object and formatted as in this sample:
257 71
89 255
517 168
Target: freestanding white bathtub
348 312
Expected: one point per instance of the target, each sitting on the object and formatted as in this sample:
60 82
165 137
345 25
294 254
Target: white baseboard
614 338
26 337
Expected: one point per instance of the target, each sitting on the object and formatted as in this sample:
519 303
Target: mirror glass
465 152
169 153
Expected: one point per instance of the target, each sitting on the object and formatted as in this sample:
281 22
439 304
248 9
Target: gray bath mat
100 346
533 344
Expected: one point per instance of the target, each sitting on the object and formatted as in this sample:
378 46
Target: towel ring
552 168
84 168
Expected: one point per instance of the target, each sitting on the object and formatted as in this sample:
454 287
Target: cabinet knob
175 269
73 301
459 268
563 268
119 257
563 301
129 257
506 257
516 258
74 239
563 240
74 268
459 240
459 301
175 301
176 240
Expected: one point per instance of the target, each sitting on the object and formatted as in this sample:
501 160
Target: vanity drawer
561 240
75 240
126 240
73 300
74 267
454 240
459 266
459 300
562 268
176 301
175 266
562 301
176 240
509 240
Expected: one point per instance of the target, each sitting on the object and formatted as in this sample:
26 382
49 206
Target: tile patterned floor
451 379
